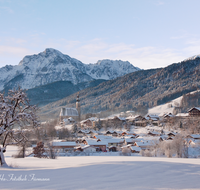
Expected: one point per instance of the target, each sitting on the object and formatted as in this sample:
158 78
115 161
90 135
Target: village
127 133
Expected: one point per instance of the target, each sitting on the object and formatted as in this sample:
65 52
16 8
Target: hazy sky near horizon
147 33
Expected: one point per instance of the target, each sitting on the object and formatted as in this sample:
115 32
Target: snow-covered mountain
109 69
51 65
192 58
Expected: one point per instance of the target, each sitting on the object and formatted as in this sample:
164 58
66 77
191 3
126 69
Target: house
69 120
112 148
140 121
89 123
81 133
153 119
153 133
129 141
85 148
194 143
110 140
99 145
168 116
194 136
194 112
171 134
63 145
144 144
114 141
135 149
108 133
115 134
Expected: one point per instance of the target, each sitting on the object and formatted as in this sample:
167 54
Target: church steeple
78 107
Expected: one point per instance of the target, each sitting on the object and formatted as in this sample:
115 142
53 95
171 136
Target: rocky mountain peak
51 65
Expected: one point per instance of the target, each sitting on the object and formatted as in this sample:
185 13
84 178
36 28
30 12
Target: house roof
94 142
103 137
195 136
114 140
66 143
145 143
90 119
68 112
182 114
197 108
135 148
153 133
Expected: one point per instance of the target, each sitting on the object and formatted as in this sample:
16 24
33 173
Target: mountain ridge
51 66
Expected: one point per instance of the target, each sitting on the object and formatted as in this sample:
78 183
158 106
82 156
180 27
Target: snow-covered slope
51 65
168 107
109 69
165 108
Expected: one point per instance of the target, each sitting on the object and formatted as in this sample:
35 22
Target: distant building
194 112
72 113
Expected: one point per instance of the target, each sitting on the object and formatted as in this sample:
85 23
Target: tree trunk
2 158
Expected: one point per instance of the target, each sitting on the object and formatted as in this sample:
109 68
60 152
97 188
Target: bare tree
167 148
178 145
15 112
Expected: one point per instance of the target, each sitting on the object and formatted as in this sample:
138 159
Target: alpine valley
52 80
137 91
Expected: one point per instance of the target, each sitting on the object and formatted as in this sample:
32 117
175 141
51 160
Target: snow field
100 172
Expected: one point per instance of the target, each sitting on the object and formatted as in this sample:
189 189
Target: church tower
78 107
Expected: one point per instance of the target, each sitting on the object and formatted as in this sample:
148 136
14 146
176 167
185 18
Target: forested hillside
135 91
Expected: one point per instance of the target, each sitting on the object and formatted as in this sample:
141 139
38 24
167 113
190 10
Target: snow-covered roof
94 142
145 143
152 116
194 108
130 111
139 139
195 136
135 148
66 143
102 137
90 119
114 140
83 147
154 133
68 112
182 114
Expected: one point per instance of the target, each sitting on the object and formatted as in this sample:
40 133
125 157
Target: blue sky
147 33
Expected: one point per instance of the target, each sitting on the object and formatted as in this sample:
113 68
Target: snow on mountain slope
168 107
109 69
165 108
192 58
51 65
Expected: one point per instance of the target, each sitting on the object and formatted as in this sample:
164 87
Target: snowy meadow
100 172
